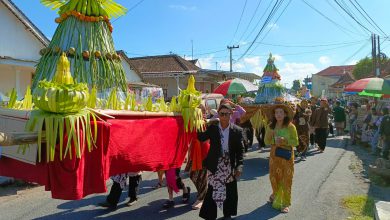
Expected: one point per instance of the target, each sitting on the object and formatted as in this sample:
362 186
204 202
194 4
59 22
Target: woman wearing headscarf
282 135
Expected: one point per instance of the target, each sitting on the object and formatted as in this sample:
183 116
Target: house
19 48
337 88
322 80
170 72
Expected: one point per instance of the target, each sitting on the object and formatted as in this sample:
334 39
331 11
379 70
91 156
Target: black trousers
116 190
312 139
209 207
260 135
321 135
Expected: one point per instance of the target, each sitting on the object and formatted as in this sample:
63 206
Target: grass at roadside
361 207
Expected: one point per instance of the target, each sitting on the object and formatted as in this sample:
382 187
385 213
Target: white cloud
352 62
324 60
242 43
293 71
254 61
207 62
183 7
277 57
273 26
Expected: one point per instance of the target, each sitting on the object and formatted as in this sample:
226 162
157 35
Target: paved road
319 184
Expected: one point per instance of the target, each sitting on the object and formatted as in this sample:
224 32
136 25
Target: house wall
15 40
20 44
320 83
15 77
131 75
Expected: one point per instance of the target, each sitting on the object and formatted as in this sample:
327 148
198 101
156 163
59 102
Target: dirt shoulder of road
16 189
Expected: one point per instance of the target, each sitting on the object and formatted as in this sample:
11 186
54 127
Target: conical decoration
270 86
84 34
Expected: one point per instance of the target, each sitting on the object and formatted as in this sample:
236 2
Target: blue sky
303 41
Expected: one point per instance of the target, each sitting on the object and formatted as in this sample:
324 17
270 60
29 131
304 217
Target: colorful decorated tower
270 86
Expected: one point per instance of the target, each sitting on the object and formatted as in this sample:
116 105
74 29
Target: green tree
363 68
296 85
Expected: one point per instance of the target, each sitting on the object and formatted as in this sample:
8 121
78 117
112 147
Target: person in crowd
366 131
375 139
224 164
384 133
174 184
319 121
160 176
119 183
198 173
282 135
313 107
301 122
339 118
353 116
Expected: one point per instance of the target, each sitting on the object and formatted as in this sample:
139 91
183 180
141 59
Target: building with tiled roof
322 81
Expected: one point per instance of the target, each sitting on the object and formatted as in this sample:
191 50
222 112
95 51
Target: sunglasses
223 114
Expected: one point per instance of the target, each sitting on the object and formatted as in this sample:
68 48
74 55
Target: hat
324 99
286 108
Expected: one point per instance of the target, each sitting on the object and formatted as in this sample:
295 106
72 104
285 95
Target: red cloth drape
123 145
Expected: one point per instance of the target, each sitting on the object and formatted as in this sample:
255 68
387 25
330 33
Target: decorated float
270 90
79 124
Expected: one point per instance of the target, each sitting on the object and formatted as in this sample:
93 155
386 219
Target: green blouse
289 133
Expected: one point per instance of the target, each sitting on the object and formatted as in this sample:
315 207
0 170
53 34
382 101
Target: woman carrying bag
282 135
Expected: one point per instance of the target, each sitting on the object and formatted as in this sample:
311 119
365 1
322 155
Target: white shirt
224 137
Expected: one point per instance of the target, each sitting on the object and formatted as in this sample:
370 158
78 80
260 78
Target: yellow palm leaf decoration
112 8
100 7
54 4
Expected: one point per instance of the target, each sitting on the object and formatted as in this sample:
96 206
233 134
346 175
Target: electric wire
250 22
239 21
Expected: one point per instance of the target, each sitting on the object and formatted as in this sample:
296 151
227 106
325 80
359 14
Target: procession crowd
216 157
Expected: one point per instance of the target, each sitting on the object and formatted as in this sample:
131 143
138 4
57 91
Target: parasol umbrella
370 85
235 86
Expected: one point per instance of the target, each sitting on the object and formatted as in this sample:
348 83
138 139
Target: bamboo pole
18 138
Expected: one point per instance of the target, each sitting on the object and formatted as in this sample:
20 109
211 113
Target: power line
370 17
239 22
258 22
272 13
354 54
336 9
329 19
314 45
250 22
266 34
132 8
350 14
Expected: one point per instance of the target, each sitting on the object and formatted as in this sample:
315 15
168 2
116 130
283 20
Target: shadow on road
263 212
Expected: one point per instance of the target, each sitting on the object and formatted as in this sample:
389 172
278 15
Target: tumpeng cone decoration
84 35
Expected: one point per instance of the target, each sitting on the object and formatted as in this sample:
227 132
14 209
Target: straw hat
279 103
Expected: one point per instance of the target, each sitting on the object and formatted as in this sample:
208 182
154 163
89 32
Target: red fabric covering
126 145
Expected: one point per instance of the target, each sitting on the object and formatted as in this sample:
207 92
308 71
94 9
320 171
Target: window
211 104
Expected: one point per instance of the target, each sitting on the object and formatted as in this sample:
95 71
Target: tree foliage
296 85
363 68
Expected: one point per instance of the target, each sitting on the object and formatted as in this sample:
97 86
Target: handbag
283 153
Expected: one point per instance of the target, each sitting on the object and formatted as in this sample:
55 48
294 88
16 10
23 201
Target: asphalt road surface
318 186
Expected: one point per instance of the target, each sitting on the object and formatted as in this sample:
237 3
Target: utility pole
378 60
231 57
216 65
373 54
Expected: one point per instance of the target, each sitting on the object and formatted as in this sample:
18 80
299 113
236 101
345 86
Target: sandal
285 210
158 186
186 196
271 199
